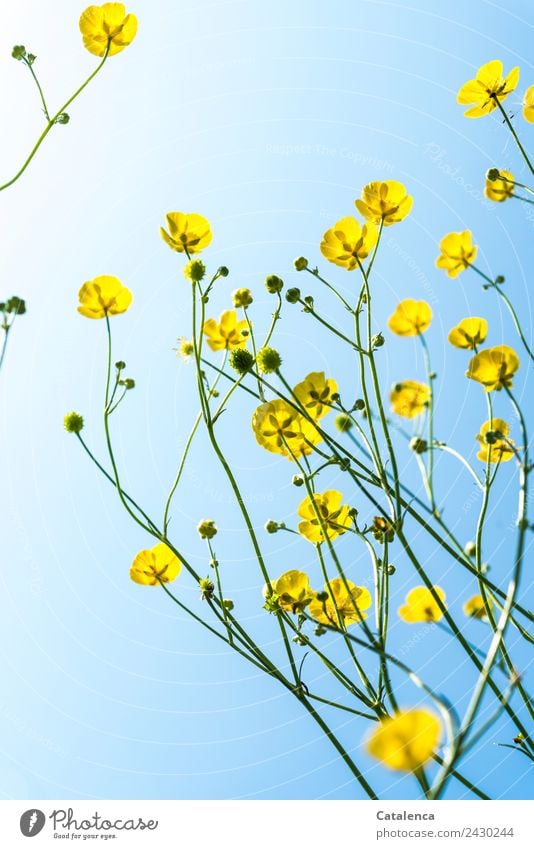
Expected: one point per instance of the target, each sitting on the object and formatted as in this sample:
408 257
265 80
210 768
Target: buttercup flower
457 252
103 296
344 601
528 105
227 332
500 189
386 201
410 318
488 88
188 232
336 517
279 428
155 565
405 741
409 398
493 444
107 24
292 591
494 367
421 605
469 333
347 242
474 607
315 392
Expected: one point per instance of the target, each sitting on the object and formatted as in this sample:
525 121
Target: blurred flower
242 298
343 423
410 318
493 446
292 591
107 24
421 605
457 252
469 333
195 270
279 428
409 398
185 349
227 333
188 232
315 393
73 423
488 88
386 201
405 741
383 529
494 367
336 518
155 565
348 241
501 188
474 607
528 105
344 601
103 296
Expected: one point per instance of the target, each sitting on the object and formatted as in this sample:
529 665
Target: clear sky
267 118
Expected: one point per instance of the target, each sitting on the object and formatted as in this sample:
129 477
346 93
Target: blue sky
267 119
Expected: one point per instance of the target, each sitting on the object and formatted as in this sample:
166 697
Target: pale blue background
267 118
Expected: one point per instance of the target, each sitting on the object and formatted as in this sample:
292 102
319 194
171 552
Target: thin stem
29 65
514 134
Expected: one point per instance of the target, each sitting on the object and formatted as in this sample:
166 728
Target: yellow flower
528 105
488 88
345 601
291 590
227 332
469 333
406 741
185 349
386 201
315 394
494 367
457 252
421 605
498 449
155 565
103 296
279 428
500 189
474 607
347 242
336 518
107 24
409 398
188 232
410 318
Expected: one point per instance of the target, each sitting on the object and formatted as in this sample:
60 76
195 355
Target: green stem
514 134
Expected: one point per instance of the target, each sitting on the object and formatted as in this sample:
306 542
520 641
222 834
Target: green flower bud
343 423
499 279
377 341
418 445
359 404
492 175
271 526
297 480
16 305
293 296
274 284
322 597
64 118
390 569
19 52
301 263
207 528
470 548
120 365
228 604
319 630
128 383
268 360
73 423
222 271
241 360
242 298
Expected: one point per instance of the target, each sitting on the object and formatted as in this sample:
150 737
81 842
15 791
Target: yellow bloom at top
494 367
528 105
279 428
347 242
155 565
488 88
188 232
500 189
474 607
496 448
469 333
457 252
103 296
405 741
107 24
335 517
410 318
386 201
291 590
227 333
345 602
421 605
409 398
315 394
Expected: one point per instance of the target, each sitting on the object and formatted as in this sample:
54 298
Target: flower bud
274 284
377 341
499 279
418 445
128 383
301 263
319 630
195 270
242 298
271 526
73 423
293 296
390 569
16 305
343 423
322 597
222 271
359 404
492 175
19 52
470 548
120 365
297 480
207 528
228 604
241 360
268 360
207 588
64 118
